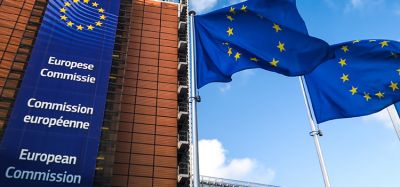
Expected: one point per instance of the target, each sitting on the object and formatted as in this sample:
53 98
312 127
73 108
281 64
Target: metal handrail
230 182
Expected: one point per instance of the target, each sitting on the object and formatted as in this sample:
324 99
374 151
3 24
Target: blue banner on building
53 132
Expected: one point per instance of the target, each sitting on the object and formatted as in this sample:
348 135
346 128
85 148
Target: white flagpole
193 99
315 132
395 119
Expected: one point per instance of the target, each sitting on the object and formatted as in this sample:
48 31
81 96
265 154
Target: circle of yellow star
99 24
353 90
367 96
90 27
281 46
230 17
70 24
345 77
63 17
394 86
274 62
342 62
244 8
229 51
230 31
254 59
276 27
237 56
79 27
232 10
345 48
380 95
384 43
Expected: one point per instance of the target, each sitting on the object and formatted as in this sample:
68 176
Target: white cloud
381 117
213 162
357 3
397 12
330 3
363 4
201 6
226 87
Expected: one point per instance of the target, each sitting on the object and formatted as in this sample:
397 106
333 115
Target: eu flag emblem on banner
267 34
363 79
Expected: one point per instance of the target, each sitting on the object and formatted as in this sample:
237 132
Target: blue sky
256 128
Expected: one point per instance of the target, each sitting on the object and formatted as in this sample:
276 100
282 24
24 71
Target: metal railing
214 181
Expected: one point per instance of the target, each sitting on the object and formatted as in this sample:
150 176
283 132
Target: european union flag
267 34
361 80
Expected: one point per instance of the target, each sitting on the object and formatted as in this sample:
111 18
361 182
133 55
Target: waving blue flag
361 80
267 34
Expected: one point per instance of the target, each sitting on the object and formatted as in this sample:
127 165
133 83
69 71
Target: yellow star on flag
367 96
63 17
274 62
101 10
237 56
70 24
372 40
281 46
63 10
345 77
99 23
230 18
67 4
342 62
380 95
90 27
95 4
76 1
384 43
230 31
229 51
353 90
79 27
254 59
398 70
394 86
345 48
356 41
277 27
103 17
232 10
244 8
86 1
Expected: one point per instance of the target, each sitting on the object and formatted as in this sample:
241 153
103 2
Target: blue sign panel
53 133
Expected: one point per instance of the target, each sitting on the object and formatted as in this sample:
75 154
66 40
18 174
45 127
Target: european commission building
95 93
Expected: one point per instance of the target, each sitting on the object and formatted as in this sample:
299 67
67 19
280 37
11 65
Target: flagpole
315 133
395 119
194 99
